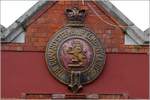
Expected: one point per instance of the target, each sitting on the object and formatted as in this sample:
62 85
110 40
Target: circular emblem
75 50
75 54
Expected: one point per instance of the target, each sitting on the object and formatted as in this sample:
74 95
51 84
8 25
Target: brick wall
51 19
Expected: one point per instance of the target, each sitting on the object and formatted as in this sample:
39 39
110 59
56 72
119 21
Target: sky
136 10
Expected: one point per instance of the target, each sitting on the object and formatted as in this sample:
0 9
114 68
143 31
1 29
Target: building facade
25 72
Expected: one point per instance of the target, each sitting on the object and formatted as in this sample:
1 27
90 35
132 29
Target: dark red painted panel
27 72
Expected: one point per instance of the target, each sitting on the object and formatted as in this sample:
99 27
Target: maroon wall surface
27 72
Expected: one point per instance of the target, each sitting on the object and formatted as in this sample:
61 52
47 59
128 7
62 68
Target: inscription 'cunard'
75 55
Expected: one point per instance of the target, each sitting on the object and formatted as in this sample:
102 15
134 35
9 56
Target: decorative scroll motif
75 55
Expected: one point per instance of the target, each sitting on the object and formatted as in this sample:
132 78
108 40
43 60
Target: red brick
108 49
34 39
14 48
39 44
48 21
41 48
42 39
40 35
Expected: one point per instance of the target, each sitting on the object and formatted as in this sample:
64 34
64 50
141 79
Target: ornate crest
75 55
75 16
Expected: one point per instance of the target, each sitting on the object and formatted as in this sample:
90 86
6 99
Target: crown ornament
75 16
